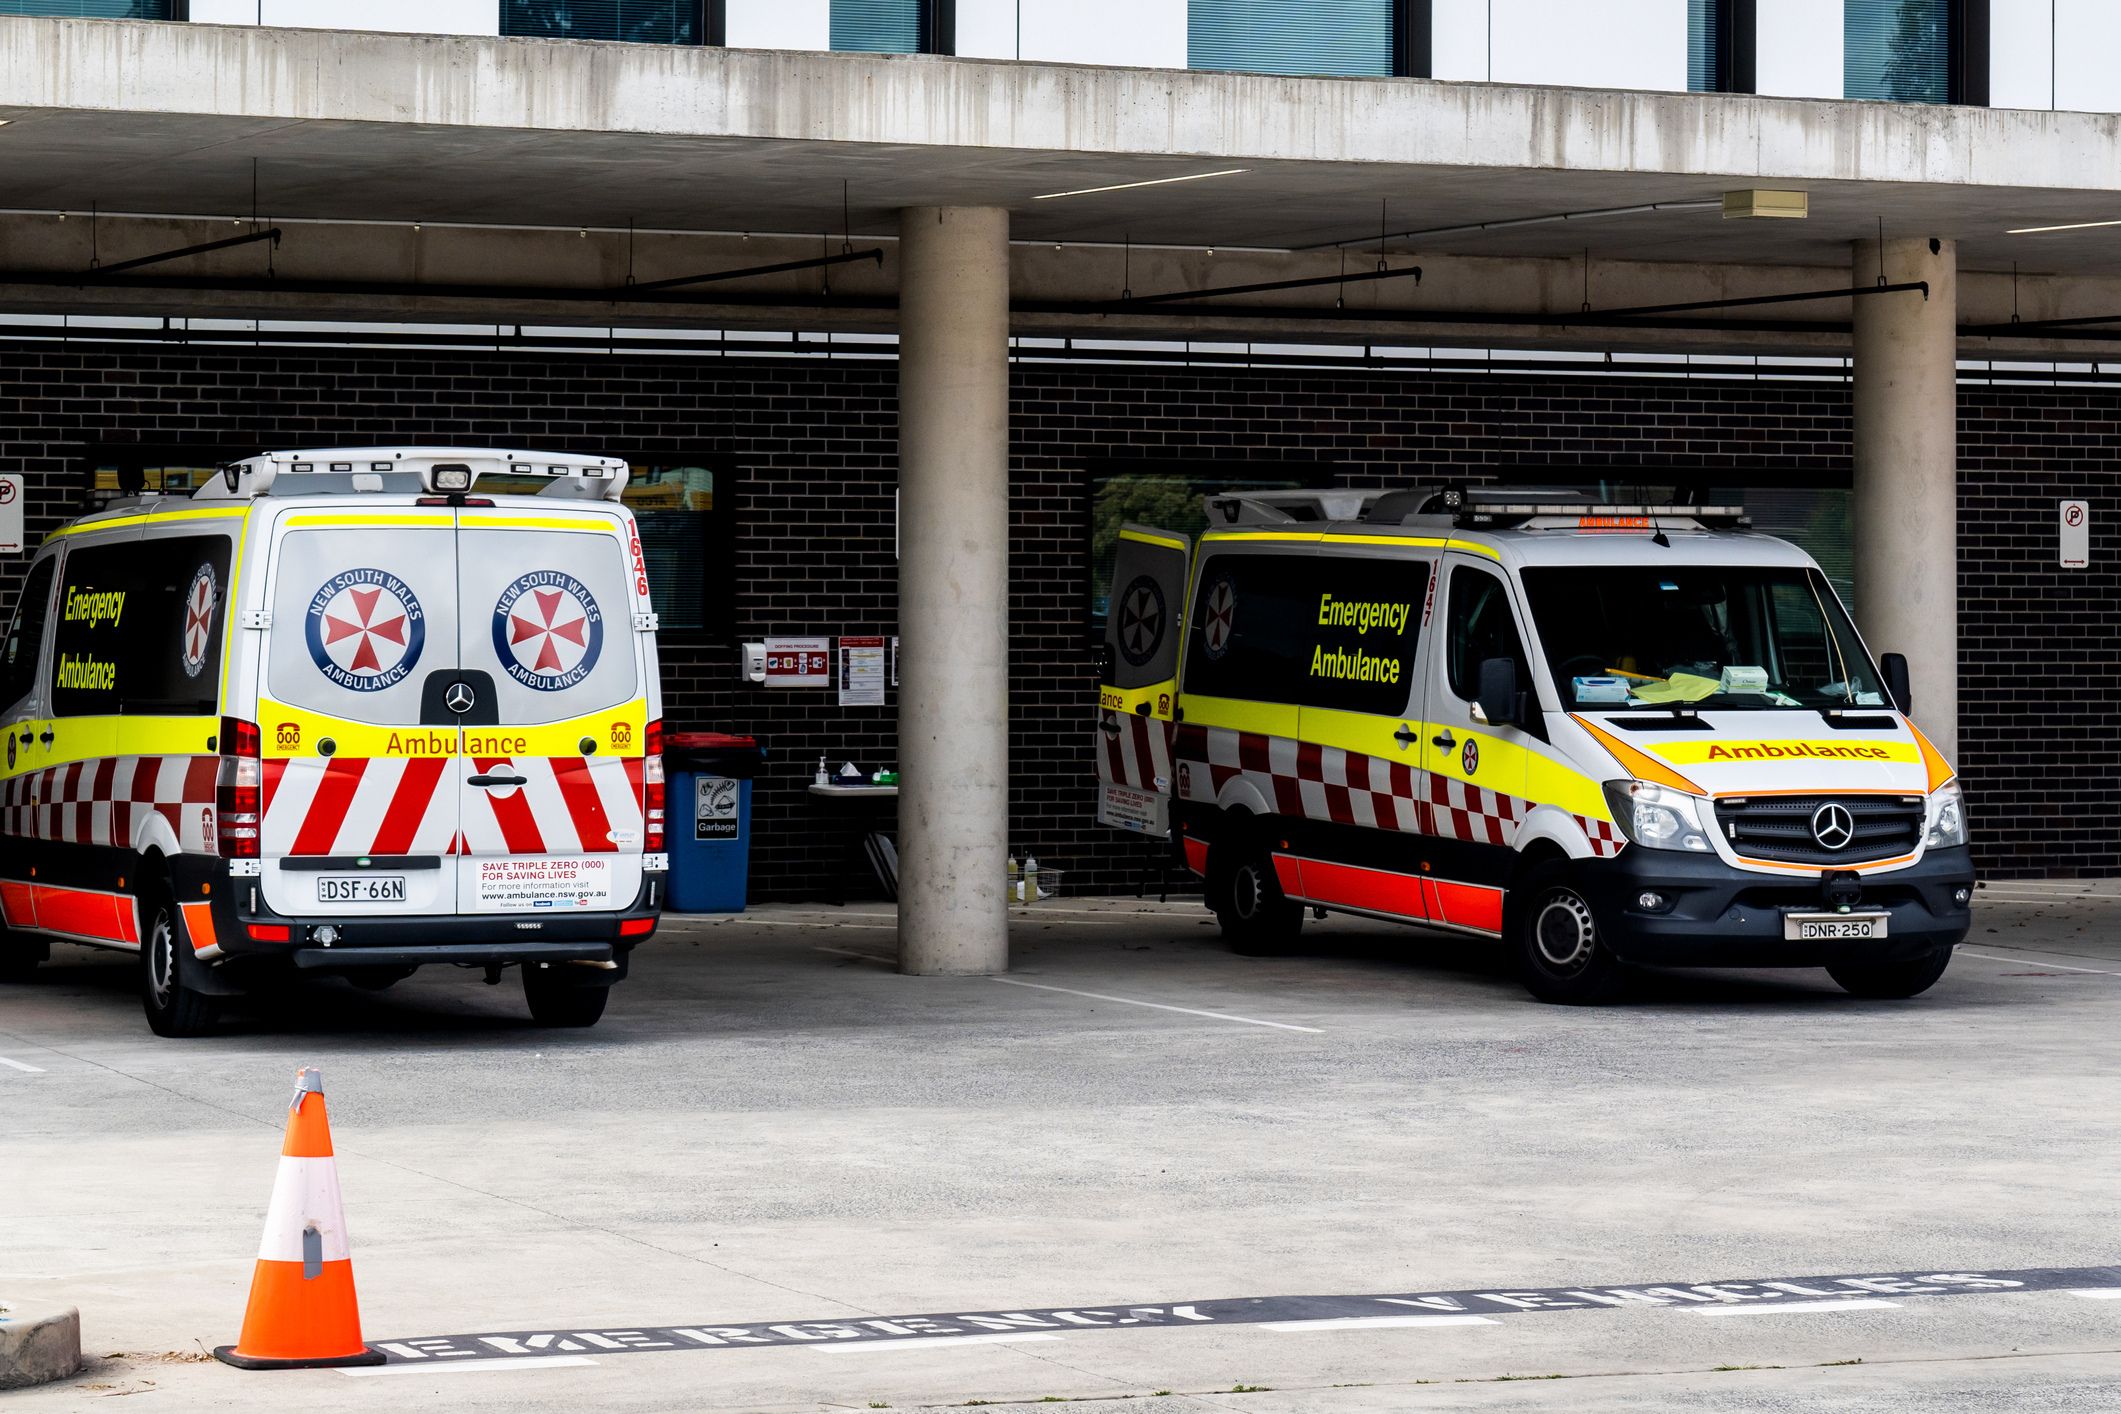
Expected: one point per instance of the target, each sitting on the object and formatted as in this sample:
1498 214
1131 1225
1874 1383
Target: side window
1307 630
97 590
1478 627
1799 637
173 634
18 659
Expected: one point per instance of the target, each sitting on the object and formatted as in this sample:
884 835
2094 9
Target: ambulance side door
1361 729
1137 687
1476 768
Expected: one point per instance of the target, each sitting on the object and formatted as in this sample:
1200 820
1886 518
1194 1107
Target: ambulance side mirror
1894 666
1501 705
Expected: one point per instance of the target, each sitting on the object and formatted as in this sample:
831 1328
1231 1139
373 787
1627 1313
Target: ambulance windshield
1748 639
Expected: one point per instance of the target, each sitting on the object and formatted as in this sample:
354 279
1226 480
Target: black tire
1257 918
19 955
173 1006
1892 981
1555 943
557 999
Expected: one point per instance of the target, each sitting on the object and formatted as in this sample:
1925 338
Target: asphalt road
771 1129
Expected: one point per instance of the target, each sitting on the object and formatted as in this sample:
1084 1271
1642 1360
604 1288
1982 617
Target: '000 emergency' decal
365 630
547 630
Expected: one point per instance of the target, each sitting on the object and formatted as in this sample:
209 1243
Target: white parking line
928 1342
32 1069
1160 1006
2041 966
2098 1293
498 1365
1779 1308
1369 1323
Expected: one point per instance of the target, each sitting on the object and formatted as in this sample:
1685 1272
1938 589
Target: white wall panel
779 24
1613 44
1458 39
409 16
2019 74
2087 39
1799 53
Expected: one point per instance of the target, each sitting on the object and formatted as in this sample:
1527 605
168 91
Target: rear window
549 613
1309 630
361 616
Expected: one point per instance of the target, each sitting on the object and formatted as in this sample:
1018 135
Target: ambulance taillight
652 789
239 789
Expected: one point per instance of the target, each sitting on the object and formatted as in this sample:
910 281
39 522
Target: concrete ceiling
169 119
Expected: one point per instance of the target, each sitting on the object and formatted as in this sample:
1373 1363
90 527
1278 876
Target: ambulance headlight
1947 820
450 478
1657 818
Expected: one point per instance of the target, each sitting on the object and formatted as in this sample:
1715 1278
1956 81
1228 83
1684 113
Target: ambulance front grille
1779 827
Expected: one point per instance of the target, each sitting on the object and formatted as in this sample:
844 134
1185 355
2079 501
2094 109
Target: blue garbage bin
710 819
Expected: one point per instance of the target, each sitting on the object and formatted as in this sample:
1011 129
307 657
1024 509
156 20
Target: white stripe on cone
305 1193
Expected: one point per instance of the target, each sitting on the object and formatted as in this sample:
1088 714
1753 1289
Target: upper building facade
1999 53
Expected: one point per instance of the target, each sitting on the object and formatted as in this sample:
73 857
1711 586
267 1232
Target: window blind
877 26
1290 36
1899 50
1701 75
94 9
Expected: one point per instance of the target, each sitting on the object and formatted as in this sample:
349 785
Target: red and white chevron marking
107 801
1339 787
1139 753
392 805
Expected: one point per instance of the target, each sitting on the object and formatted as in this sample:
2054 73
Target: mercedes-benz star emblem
1833 826
459 698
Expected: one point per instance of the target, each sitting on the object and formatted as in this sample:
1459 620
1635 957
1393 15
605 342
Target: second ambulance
1603 734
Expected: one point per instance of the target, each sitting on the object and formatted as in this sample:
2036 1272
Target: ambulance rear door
553 751
1137 688
360 752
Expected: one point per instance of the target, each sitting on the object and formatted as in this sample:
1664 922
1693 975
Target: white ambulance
342 711
1604 734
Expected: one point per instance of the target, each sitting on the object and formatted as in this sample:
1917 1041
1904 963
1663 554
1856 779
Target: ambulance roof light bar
436 470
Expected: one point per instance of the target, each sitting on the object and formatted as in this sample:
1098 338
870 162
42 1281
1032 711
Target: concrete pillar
1907 474
953 586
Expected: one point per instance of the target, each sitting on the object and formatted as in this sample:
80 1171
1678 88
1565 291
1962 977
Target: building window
1721 40
1352 37
1899 50
635 21
894 26
100 9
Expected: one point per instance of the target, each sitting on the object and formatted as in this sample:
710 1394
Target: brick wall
2041 724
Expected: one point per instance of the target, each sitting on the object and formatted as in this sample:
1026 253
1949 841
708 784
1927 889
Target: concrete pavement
769 1127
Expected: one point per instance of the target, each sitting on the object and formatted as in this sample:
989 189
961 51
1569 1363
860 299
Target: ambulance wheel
1554 937
557 999
19 955
1257 920
1892 981
173 1007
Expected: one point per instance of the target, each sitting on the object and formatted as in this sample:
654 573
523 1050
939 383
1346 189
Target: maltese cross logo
547 630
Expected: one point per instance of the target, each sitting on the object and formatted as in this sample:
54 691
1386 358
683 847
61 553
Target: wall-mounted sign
798 662
862 669
2075 529
11 498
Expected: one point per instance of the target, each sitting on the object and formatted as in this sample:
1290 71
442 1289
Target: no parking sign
11 498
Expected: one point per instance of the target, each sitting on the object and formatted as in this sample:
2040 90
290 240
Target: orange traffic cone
302 1311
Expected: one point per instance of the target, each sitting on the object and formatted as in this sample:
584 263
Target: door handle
1405 736
1444 739
46 737
28 737
483 780
1110 725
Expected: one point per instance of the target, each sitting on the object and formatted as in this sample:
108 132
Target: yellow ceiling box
1795 205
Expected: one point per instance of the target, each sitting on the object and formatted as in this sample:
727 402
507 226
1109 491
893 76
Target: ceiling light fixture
2072 226
1154 182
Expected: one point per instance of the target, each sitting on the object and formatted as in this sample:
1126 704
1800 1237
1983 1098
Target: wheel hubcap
161 959
1247 889
1563 932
